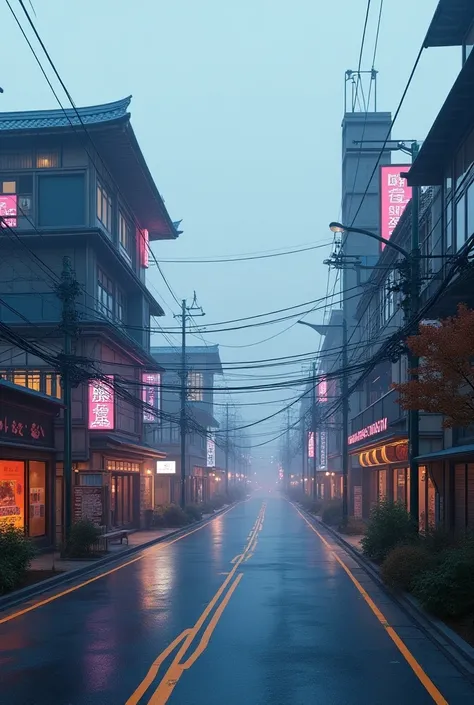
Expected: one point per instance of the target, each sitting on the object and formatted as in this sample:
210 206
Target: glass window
195 385
461 222
470 210
104 206
121 306
47 159
12 492
8 186
37 503
105 295
19 378
469 42
125 236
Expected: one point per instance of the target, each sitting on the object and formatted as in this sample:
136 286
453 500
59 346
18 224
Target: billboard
310 444
166 467
211 449
394 196
143 247
101 405
323 389
322 450
8 211
151 396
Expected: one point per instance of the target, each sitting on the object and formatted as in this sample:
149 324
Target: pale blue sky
237 107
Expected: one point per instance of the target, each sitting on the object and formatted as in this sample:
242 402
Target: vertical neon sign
101 405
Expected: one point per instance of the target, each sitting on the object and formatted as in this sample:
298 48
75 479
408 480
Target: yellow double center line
177 667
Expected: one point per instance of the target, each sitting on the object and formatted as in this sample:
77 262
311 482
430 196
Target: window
195 385
388 298
470 210
61 200
461 222
125 237
105 295
47 159
121 305
16 160
469 43
37 490
46 382
104 207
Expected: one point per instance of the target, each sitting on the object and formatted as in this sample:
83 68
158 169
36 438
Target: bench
115 534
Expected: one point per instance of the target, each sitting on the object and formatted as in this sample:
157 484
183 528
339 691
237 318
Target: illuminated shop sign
211 449
372 430
8 211
151 396
394 196
101 405
311 444
323 450
166 467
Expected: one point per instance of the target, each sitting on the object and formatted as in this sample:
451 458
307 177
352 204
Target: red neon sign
372 430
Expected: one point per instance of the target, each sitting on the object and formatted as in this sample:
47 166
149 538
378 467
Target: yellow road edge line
160 546
399 643
192 633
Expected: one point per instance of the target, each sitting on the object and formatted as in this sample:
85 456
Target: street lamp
413 260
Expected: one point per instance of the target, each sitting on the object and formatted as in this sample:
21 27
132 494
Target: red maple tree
445 383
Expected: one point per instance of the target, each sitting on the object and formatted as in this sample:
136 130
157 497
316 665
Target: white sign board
166 467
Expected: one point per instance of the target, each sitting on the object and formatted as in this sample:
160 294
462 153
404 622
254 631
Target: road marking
176 668
406 653
159 546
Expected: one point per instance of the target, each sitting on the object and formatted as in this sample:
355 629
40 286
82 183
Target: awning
452 125
116 445
455 451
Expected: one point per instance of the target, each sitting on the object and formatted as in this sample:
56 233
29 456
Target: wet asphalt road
282 622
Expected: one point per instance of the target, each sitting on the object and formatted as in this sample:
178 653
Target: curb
19 596
458 651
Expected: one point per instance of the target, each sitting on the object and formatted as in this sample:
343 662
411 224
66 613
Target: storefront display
12 493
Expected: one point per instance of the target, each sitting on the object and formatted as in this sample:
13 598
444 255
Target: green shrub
332 512
448 589
194 512
82 537
404 564
390 525
440 539
16 553
174 516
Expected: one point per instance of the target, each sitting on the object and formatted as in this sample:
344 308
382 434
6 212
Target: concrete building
77 184
203 363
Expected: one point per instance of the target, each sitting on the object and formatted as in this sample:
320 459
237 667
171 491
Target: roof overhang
453 124
111 443
104 129
455 451
450 23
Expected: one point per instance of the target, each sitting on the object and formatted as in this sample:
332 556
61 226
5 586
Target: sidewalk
51 561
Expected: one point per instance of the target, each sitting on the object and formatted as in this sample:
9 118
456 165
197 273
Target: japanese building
446 164
77 185
202 477
28 461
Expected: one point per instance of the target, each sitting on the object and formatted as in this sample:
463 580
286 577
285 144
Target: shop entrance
124 496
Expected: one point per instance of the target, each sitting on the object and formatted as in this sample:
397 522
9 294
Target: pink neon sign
394 196
323 389
101 405
8 211
372 430
310 444
143 247
151 396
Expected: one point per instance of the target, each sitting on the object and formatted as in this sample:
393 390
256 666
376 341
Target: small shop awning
454 451
114 444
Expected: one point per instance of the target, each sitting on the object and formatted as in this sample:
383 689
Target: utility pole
313 429
288 454
227 449
303 453
186 312
413 361
67 291
345 425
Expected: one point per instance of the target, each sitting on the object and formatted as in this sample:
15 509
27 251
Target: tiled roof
47 119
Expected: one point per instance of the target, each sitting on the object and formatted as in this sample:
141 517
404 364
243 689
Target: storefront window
12 492
37 503
382 484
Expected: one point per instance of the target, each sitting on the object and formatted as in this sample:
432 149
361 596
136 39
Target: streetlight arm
339 228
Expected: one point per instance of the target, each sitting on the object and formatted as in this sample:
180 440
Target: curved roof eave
143 192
